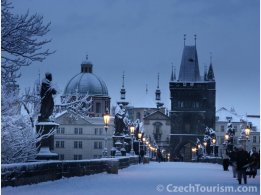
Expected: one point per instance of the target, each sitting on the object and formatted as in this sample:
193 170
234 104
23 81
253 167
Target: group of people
243 163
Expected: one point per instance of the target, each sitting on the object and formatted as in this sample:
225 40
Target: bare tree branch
22 41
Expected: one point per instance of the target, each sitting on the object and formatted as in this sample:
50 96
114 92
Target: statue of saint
119 120
47 103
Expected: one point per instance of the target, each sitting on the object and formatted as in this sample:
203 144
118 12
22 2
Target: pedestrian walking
159 155
233 162
142 153
254 160
242 160
225 158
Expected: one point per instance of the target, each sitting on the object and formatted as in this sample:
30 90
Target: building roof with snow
223 115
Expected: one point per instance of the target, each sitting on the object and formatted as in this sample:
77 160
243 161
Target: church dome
86 82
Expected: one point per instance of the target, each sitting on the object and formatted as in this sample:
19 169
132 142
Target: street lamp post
214 144
106 119
194 150
132 128
139 139
143 143
247 133
205 148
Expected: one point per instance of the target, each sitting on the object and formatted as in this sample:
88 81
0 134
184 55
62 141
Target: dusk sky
143 37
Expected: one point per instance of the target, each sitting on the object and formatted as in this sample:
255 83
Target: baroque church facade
192 103
83 137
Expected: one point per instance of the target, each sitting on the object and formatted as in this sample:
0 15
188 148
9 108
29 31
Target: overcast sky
143 37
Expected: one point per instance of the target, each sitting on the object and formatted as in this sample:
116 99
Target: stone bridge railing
35 172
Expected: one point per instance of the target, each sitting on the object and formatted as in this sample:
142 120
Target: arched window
157 131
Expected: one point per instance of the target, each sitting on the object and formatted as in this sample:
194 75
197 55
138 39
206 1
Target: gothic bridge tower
192 103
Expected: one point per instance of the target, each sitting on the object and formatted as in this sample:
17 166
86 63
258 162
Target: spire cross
195 38
184 39
210 57
146 88
86 57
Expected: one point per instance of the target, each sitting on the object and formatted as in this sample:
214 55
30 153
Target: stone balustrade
40 171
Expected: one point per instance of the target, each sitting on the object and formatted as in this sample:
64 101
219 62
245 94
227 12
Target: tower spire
195 38
157 95
184 39
123 91
123 77
210 75
157 92
158 81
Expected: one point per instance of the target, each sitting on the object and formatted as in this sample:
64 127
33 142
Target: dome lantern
86 67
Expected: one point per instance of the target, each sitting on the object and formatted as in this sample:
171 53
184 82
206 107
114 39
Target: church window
222 128
157 131
254 139
75 144
80 130
98 107
96 130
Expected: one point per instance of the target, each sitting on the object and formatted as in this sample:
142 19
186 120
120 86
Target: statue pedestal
118 143
46 145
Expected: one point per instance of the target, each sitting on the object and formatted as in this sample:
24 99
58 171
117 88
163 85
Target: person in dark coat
242 161
254 160
141 157
225 158
159 155
233 162
46 93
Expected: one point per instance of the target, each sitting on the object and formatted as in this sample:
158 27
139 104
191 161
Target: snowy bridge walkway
154 178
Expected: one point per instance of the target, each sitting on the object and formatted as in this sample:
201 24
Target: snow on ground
154 178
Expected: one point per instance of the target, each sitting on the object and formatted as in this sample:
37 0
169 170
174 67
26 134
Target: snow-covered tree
21 42
78 106
18 137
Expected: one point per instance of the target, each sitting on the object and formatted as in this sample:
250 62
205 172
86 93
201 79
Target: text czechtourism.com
205 188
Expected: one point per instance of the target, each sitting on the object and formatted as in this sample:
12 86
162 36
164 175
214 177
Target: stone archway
182 145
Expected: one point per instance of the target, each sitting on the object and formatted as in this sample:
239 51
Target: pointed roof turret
123 91
157 95
210 76
189 68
